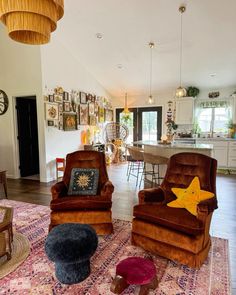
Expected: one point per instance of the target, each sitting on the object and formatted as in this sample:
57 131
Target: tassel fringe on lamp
31 21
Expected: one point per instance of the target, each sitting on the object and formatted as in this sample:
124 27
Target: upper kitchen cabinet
234 108
184 110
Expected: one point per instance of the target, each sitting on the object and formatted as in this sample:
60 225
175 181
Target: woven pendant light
31 21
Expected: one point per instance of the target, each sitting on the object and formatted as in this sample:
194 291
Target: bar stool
155 161
60 166
135 162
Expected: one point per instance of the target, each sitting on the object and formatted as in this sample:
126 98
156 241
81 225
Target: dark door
149 123
144 123
27 135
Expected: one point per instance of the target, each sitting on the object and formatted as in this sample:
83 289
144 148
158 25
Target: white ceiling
209 42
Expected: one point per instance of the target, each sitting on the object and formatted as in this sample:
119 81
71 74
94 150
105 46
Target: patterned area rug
36 274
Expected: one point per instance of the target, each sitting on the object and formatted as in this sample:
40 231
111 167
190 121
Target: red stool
60 166
135 271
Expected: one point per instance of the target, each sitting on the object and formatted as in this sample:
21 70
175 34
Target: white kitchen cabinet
234 108
232 155
184 110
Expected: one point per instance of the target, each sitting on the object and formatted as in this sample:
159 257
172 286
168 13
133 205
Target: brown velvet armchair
175 233
93 210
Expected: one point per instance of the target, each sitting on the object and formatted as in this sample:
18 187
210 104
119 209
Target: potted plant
192 91
196 130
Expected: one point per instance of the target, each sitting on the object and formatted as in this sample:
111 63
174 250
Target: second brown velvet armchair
174 232
92 210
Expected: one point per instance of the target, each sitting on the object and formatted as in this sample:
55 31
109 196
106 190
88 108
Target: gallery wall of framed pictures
68 110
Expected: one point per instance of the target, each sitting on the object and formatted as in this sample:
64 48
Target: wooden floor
125 197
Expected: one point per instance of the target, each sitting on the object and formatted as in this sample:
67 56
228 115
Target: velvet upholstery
174 232
93 210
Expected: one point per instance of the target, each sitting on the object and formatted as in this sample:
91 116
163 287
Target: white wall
60 68
20 76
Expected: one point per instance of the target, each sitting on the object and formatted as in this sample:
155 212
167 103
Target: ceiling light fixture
126 110
31 22
99 35
150 98
181 91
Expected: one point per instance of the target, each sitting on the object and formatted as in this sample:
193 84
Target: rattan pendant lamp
31 21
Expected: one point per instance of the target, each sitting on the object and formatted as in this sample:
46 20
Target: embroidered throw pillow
83 181
190 197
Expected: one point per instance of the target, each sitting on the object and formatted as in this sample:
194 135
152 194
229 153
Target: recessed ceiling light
99 35
119 66
213 75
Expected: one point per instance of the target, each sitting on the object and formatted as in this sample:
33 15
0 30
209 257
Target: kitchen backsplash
184 130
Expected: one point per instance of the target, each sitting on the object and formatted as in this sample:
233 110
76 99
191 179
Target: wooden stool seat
135 271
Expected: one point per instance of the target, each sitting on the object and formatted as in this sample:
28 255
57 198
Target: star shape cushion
190 197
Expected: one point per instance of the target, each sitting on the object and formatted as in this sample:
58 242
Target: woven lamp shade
31 21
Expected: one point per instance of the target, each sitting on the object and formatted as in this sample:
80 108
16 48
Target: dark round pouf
70 246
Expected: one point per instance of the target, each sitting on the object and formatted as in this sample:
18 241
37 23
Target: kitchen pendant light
31 21
126 110
181 91
150 98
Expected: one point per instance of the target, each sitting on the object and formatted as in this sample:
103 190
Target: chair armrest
58 190
107 189
151 195
205 207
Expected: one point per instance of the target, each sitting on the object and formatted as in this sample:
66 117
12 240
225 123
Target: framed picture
66 106
60 108
108 115
51 111
92 120
60 125
58 97
66 95
83 97
83 114
69 121
51 98
50 123
101 115
96 107
91 108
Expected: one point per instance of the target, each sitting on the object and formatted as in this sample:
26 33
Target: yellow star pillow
190 197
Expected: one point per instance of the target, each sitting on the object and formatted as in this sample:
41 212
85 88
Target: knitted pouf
70 246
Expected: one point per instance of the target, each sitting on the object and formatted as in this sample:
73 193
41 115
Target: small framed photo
51 111
83 97
51 98
89 97
66 106
101 115
58 97
92 120
91 108
108 115
66 96
60 108
50 123
60 123
96 107
83 113
69 121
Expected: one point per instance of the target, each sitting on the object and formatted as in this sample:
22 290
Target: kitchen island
167 150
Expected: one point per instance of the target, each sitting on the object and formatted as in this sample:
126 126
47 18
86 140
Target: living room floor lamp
31 22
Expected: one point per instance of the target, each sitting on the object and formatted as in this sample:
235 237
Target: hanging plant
192 91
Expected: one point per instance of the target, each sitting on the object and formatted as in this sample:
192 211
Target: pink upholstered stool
135 271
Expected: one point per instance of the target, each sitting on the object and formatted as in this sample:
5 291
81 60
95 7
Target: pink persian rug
36 274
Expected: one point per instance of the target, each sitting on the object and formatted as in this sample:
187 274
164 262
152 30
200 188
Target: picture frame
66 106
60 108
60 123
83 98
92 120
91 109
69 121
50 123
51 111
83 114
96 107
101 115
108 115
58 97
51 98
66 96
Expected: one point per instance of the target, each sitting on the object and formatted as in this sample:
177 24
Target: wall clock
3 102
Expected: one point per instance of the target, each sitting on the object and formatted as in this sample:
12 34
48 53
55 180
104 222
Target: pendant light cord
150 86
181 49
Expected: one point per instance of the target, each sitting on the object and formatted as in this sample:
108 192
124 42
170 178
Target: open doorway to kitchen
27 136
144 123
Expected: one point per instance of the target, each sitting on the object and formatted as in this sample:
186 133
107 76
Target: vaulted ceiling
120 60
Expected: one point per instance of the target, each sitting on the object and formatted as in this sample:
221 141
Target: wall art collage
66 111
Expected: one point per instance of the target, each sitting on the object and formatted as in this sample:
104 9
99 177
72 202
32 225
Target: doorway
27 137
144 123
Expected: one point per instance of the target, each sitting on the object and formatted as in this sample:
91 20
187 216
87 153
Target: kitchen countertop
175 145
207 139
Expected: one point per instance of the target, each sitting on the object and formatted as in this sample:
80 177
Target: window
214 119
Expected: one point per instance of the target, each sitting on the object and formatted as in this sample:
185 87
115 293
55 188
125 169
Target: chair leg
127 172
142 175
130 169
137 173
